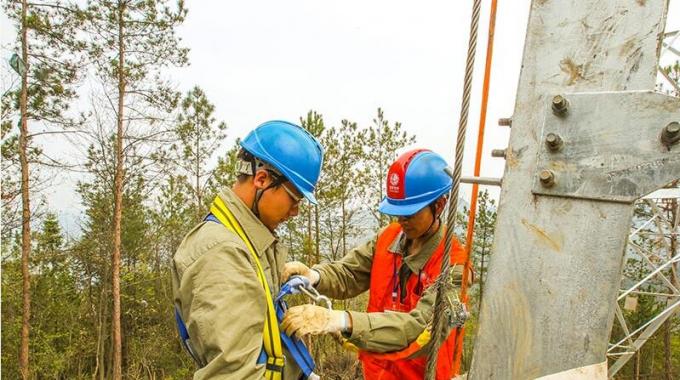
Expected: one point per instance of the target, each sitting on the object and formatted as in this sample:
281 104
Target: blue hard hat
291 150
415 180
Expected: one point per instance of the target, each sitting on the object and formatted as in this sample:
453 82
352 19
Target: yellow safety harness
270 336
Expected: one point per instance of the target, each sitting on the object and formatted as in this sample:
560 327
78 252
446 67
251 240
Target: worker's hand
312 319
300 269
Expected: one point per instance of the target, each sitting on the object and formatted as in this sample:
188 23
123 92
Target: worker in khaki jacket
397 267
226 270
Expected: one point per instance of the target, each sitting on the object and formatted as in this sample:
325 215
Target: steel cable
442 284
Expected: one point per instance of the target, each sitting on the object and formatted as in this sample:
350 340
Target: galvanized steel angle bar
649 329
611 148
645 255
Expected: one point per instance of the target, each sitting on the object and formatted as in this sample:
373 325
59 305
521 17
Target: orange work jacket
385 295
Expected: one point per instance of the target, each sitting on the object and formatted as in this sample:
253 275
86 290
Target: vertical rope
442 284
458 349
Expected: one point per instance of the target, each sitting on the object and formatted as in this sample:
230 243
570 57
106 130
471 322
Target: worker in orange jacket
397 267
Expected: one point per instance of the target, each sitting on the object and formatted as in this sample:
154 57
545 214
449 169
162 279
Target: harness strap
184 338
271 335
273 365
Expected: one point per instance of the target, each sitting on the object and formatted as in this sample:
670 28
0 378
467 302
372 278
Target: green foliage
485 223
224 174
380 143
672 72
198 135
650 359
145 32
54 56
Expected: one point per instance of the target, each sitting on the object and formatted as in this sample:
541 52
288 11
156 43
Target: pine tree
47 69
130 43
199 136
225 172
381 141
314 124
340 185
485 224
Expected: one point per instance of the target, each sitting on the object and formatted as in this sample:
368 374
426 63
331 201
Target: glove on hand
312 319
295 283
298 268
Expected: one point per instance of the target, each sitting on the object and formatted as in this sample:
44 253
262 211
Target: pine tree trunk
481 274
118 202
308 247
25 201
344 229
317 233
331 237
199 195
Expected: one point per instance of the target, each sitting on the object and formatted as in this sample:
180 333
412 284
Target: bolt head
547 178
553 141
560 105
671 134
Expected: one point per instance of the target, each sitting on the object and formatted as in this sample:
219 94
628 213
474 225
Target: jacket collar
258 233
418 261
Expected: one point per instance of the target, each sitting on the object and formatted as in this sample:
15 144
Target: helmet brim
388 208
308 195
401 208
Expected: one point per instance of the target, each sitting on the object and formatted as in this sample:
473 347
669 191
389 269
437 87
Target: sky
262 60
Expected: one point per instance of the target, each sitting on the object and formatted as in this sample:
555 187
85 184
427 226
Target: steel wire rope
438 324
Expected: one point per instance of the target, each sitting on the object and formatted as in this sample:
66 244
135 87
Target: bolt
547 178
671 134
505 122
553 141
560 105
498 153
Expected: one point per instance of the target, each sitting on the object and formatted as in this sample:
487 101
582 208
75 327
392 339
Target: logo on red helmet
394 179
395 185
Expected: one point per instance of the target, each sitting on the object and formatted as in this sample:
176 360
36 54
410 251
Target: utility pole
588 138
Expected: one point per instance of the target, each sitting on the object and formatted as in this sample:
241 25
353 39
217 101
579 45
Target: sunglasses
296 198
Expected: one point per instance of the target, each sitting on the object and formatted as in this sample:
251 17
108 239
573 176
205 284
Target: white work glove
315 320
300 269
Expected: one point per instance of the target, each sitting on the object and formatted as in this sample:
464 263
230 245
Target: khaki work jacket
220 298
350 276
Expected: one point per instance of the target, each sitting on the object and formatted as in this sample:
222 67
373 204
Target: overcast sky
261 60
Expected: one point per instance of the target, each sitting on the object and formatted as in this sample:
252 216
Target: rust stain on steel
564 207
514 307
628 46
642 3
573 71
510 158
544 237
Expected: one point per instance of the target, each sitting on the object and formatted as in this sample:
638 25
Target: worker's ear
440 204
261 179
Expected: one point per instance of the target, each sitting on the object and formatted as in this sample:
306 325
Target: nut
547 178
560 105
671 134
553 141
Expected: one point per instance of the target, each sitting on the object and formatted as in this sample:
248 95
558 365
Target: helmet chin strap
435 218
276 181
249 166
254 208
